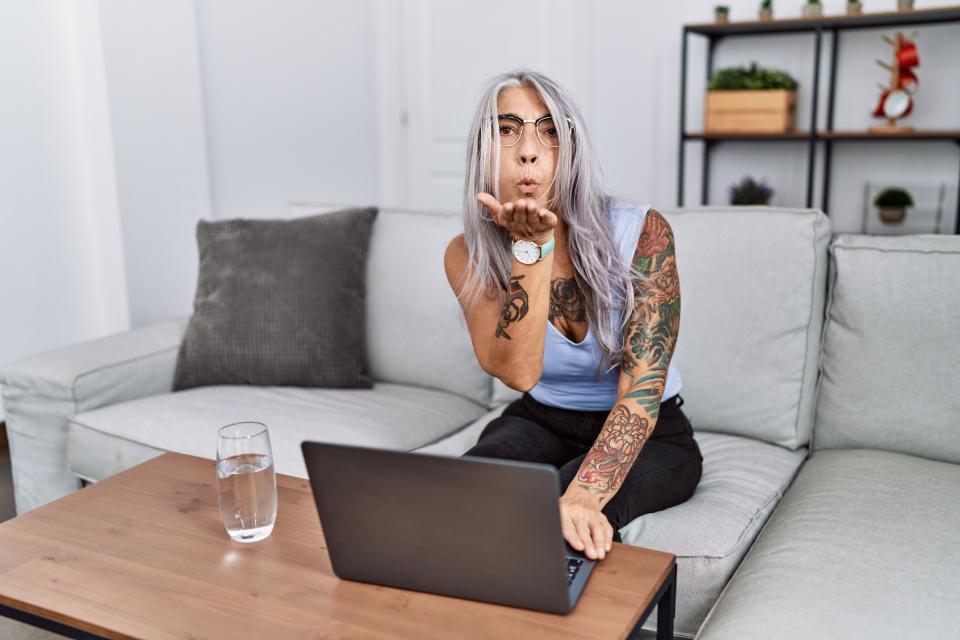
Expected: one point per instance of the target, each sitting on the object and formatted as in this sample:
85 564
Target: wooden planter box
753 111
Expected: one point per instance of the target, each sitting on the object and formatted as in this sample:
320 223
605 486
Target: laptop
470 527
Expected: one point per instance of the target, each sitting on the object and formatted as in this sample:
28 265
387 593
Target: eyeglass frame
535 123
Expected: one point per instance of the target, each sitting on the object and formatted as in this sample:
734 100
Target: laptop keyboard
573 566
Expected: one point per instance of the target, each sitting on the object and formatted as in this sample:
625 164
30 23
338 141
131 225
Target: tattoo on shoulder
609 461
514 308
566 300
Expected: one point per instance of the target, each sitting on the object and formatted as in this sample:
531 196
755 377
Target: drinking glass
246 482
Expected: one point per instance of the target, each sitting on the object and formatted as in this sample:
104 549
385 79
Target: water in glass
246 481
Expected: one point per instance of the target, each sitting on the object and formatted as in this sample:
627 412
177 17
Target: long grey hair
603 277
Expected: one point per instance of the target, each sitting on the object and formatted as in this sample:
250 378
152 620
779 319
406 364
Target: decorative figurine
896 99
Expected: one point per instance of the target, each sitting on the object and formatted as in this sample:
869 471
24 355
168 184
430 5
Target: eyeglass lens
511 129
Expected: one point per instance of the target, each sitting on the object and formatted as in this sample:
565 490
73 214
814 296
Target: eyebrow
519 118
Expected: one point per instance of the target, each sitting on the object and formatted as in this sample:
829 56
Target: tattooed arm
508 330
649 343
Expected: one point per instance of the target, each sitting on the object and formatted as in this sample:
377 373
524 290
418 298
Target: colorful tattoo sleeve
648 347
651 334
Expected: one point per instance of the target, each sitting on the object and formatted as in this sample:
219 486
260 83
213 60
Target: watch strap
546 248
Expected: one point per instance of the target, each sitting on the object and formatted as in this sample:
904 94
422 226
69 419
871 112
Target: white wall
291 102
57 250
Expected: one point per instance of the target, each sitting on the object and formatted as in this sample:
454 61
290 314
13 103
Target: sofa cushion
279 302
414 331
389 416
753 284
891 348
742 481
862 546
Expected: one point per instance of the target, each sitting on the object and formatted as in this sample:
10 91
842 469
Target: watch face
526 251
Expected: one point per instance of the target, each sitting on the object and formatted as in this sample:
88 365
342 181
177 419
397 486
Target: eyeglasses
510 129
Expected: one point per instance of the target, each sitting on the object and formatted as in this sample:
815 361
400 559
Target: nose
528 147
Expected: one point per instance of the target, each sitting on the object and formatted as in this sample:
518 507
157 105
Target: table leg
666 608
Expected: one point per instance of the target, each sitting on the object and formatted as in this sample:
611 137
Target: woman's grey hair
605 280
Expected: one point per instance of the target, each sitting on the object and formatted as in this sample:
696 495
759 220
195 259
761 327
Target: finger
548 218
609 545
532 208
522 217
571 535
506 215
519 212
583 529
492 205
599 537
533 216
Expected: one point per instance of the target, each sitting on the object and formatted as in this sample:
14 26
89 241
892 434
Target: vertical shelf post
705 163
828 142
683 113
812 135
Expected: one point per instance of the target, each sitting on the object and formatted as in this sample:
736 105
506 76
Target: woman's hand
524 218
584 524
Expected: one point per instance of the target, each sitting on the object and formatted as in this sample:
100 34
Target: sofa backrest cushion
752 282
414 331
890 363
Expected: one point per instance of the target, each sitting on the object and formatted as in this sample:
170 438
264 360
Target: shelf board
840 21
790 135
920 134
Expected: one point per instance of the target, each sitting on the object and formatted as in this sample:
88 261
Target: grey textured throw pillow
279 302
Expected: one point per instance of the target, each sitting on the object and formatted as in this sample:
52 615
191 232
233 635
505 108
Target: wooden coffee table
143 554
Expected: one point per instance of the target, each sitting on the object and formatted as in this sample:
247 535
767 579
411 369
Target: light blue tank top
569 378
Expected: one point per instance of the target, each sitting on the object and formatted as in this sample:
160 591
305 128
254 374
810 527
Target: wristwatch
529 252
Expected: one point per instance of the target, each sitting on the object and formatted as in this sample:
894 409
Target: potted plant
904 5
766 10
812 9
891 204
750 100
749 191
854 8
721 13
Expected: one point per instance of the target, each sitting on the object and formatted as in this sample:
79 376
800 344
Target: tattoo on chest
514 308
566 300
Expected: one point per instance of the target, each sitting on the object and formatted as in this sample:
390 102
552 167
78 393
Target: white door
435 55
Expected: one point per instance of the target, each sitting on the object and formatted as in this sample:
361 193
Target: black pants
664 474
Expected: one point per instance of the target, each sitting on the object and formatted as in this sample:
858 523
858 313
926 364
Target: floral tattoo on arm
608 461
514 308
652 332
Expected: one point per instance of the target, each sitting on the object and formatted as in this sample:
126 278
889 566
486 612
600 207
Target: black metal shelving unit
714 32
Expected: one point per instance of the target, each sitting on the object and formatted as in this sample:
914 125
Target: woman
573 299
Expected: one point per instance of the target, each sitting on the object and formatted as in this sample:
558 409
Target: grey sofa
754 289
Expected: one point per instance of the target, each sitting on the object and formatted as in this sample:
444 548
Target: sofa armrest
40 391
